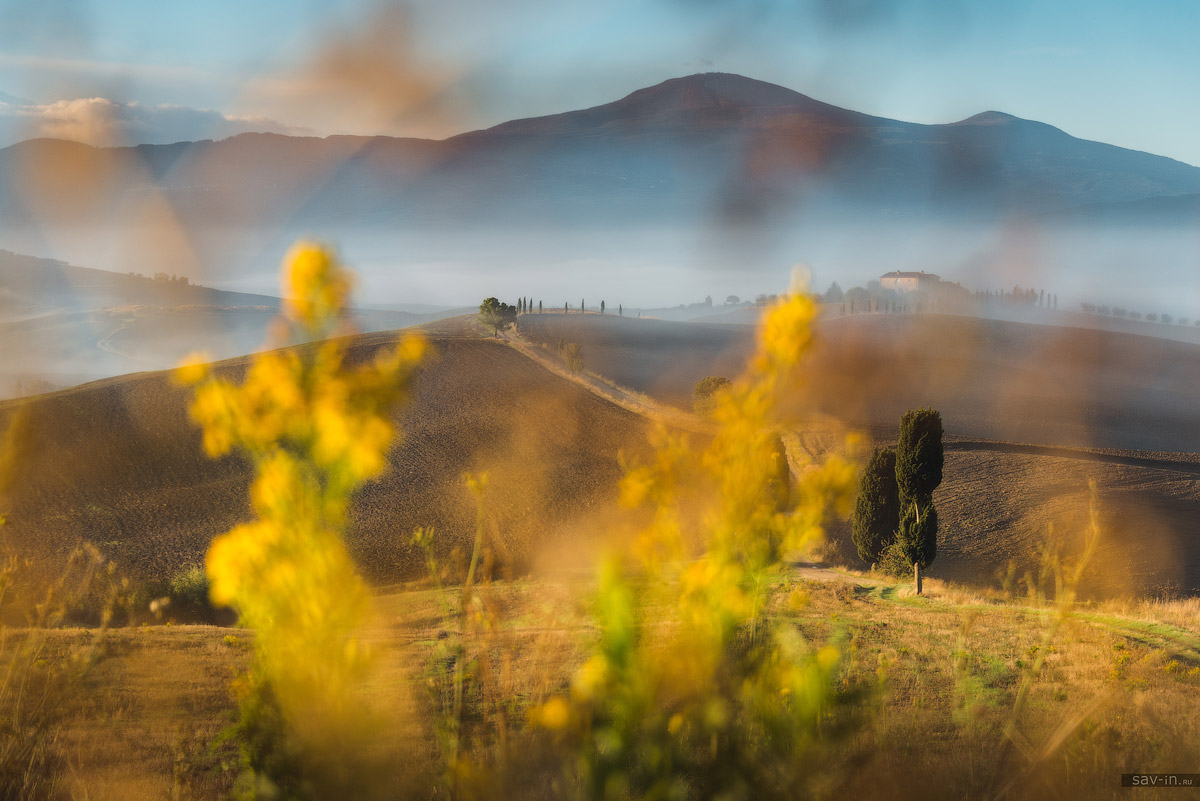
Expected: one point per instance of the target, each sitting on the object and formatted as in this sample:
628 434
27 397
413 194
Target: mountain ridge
696 145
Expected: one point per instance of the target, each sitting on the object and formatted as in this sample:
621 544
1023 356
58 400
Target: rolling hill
1032 414
991 379
117 463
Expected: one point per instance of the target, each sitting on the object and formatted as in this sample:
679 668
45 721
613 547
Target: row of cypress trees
525 306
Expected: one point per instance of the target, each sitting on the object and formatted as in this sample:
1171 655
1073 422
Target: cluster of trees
500 315
497 314
894 515
1123 313
170 278
1020 296
874 298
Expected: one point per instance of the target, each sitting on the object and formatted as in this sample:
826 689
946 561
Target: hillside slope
117 463
990 379
1000 502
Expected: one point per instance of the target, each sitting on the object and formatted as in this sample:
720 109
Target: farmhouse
909 282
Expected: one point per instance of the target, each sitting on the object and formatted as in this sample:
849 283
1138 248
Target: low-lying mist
1152 268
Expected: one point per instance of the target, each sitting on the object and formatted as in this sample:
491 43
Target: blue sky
1112 70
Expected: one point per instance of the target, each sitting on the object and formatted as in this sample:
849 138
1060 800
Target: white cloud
107 123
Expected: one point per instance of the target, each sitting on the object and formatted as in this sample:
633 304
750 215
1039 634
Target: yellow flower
316 288
828 657
555 715
590 678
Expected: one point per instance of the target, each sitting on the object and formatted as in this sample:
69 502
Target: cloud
107 123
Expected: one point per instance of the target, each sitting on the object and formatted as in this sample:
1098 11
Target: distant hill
991 379
30 286
61 324
688 146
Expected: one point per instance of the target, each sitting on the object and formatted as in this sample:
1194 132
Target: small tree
573 356
704 393
877 509
919 462
833 294
602 307
732 300
496 314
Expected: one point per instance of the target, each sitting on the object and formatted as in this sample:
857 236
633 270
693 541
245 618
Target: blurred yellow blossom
686 644
315 428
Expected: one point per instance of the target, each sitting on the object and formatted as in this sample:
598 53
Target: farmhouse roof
899 274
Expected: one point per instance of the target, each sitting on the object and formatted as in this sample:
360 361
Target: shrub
704 393
190 600
572 353
894 562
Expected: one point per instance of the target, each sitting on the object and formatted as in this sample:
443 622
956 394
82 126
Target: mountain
676 152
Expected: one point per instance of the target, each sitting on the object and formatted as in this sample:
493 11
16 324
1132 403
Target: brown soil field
1000 507
991 379
1102 406
117 463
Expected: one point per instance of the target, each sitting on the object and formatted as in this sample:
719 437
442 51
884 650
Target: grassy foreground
1118 691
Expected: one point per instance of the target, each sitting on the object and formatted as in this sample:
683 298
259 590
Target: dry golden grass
950 663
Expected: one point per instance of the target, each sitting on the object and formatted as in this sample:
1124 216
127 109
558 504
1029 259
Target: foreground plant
315 427
695 690
42 677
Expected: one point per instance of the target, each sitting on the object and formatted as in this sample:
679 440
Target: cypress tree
877 509
919 462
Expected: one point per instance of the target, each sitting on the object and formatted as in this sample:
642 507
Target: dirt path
815 571
106 345
626 399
